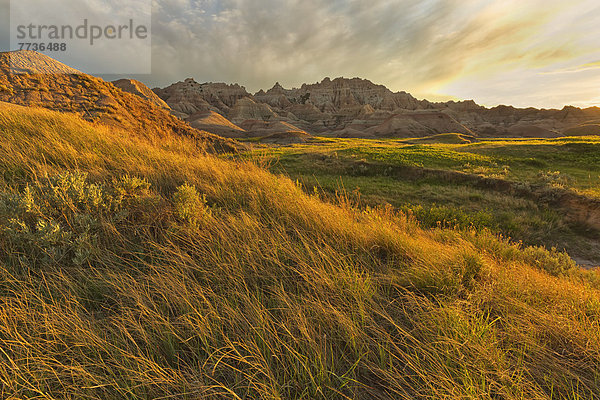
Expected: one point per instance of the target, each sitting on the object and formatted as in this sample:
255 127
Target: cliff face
189 96
245 109
359 108
214 107
338 94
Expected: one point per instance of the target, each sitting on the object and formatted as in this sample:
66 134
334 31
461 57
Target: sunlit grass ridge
133 268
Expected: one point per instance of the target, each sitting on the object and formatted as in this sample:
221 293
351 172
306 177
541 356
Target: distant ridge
355 107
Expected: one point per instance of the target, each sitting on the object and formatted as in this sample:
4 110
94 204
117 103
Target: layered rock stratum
141 90
227 110
359 108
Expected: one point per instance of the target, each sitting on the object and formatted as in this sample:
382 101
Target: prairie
143 268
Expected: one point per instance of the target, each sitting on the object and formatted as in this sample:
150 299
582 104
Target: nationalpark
303 200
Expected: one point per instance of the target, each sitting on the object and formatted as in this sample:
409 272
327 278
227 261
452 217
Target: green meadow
511 187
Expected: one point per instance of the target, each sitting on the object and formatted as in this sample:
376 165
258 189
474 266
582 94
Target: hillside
44 82
137 268
358 108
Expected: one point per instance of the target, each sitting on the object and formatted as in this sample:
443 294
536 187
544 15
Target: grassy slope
569 164
124 284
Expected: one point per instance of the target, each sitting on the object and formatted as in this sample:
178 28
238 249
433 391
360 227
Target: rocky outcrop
277 96
206 106
247 109
190 96
331 96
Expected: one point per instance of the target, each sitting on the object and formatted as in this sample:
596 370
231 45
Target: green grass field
388 172
143 268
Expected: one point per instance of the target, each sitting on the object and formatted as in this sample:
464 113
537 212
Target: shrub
551 261
554 178
189 205
60 218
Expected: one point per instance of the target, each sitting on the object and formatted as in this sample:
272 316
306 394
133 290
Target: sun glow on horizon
528 55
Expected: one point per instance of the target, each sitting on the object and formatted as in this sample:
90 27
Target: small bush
189 205
555 178
552 261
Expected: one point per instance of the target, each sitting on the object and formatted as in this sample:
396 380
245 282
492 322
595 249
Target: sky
541 53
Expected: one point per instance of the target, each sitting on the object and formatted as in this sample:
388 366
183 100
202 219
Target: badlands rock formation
339 107
359 108
189 96
226 110
339 94
246 108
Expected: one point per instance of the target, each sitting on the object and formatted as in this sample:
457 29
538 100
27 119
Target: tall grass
147 270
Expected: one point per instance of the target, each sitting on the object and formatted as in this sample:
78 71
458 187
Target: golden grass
240 285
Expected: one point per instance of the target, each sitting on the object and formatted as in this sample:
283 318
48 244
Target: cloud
4 24
460 48
594 64
119 54
531 88
422 47
575 69
295 41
